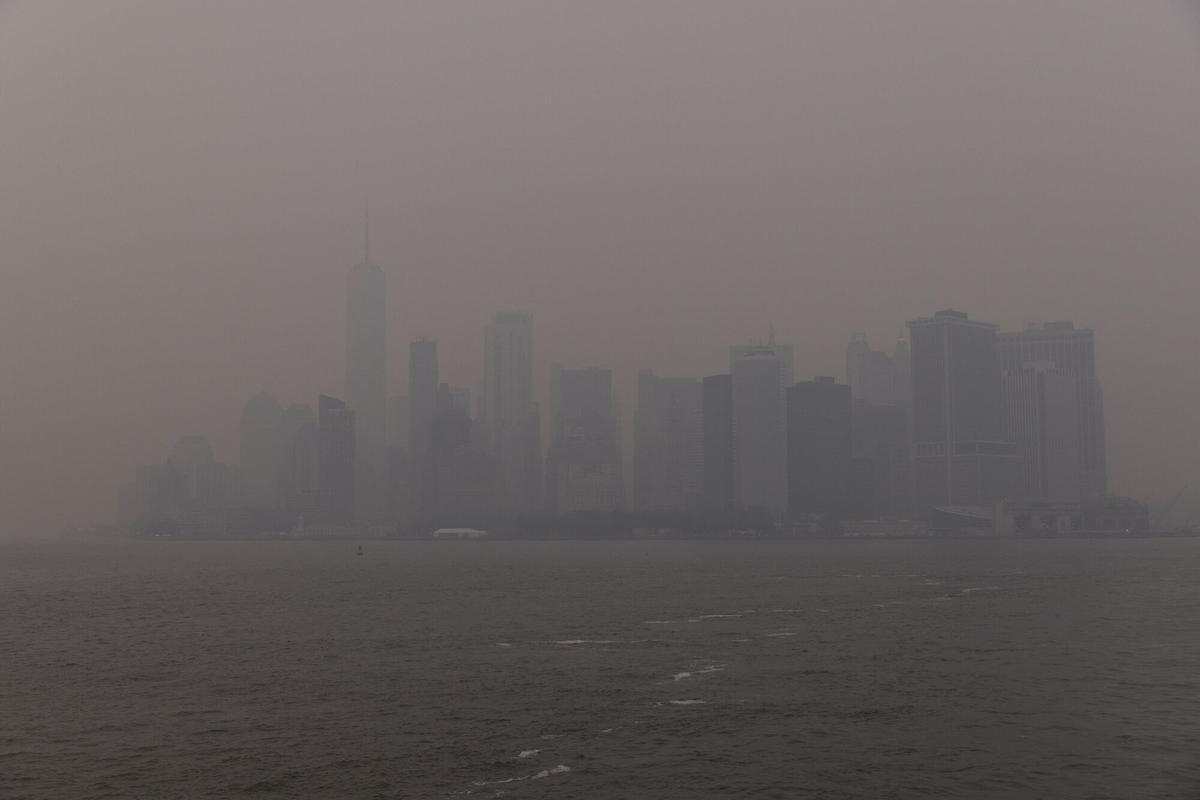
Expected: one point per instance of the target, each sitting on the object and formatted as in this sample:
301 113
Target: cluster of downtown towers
958 414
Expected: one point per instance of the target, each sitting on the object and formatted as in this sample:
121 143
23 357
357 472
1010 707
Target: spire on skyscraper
366 232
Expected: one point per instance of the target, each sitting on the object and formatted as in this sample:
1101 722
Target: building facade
366 383
877 377
1041 410
668 448
819 447
760 430
717 415
422 408
882 472
463 478
583 464
509 414
336 442
961 456
1072 352
262 451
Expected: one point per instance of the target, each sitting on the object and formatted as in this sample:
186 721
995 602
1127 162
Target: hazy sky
181 187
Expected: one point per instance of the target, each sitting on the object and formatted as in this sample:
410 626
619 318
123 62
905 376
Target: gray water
1042 669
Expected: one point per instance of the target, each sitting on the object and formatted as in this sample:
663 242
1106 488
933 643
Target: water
1004 669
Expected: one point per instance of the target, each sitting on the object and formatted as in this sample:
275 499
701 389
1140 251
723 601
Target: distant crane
1161 517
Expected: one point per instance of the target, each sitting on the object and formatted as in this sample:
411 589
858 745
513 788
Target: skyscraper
1042 416
760 429
901 374
508 413
874 376
302 469
783 352
718 441
336 442
366 381
961 456
583 464
461 470
879 435
1072 352
819 446
668 448
422 408
262 451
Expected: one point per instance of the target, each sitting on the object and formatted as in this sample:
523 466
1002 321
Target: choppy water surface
601 670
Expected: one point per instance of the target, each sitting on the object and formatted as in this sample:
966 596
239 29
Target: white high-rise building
366 382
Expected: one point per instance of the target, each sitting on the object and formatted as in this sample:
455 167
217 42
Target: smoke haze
183 185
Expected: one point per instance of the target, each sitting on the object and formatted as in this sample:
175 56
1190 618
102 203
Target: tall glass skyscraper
366 382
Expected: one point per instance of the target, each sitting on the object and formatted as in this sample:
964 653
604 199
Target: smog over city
749 343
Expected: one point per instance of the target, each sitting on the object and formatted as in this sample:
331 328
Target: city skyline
821 169
958 417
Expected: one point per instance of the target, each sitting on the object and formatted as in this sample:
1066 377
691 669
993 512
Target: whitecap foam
546 773
528 753
780 635
687 702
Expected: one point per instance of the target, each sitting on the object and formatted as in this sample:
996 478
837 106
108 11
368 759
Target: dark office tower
262 452
871 374
668 446
336 440
901 374
879 435
1072 352
759 431
583 464
399 494
398 422
422 393
508 413
210 485
463 477
858 352
366 381
960 454
718 441
422 408
302 469
782 352
819 447
1041 409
